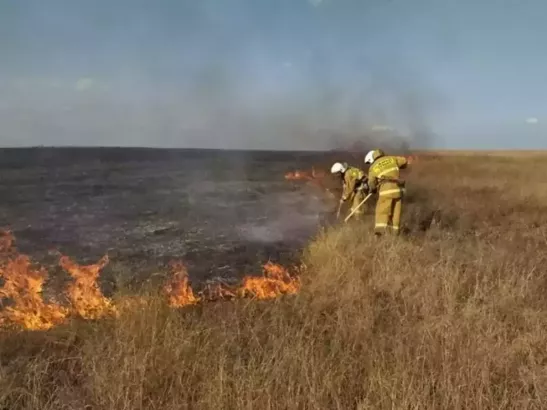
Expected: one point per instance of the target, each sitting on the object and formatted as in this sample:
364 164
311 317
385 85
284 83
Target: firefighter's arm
372 182
363 178
349 187
402 162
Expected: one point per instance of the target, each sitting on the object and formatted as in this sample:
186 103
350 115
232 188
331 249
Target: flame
275 282
23 285
298 175
304 175
84 293
178 290
314 177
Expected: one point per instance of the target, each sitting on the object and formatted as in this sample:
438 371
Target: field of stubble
451 315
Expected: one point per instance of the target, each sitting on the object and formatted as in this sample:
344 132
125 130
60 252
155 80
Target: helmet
338 167
373 156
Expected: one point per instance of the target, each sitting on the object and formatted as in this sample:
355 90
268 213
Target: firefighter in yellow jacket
383 177
354 185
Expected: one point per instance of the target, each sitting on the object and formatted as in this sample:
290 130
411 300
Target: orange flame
314 177
298 175
84 293
23 285
304 175
178 290
275 282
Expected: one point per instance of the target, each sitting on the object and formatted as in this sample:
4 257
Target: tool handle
339 209
357 207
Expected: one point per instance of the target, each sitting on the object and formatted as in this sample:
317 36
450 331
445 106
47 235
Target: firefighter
383 177
354 186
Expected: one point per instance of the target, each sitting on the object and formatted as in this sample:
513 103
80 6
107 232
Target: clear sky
272 73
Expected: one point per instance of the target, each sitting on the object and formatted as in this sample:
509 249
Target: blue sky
272 73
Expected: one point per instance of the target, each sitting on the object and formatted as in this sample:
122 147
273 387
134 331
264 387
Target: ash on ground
223 213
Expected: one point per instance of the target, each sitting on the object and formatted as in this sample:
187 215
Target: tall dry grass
451 316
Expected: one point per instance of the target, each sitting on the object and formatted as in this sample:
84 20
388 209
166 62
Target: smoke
238 74
291 216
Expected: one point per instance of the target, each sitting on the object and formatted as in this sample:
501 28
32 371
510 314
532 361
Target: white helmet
338 167
369 158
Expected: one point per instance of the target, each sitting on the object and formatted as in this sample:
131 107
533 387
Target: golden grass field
452 315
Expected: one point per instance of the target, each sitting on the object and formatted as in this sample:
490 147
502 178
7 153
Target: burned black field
224 213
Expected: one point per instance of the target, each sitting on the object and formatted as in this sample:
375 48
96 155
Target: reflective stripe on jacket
383 175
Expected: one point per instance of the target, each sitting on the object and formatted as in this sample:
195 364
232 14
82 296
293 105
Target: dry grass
452 316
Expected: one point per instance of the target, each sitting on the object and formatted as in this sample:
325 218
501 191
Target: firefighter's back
386 169
354 173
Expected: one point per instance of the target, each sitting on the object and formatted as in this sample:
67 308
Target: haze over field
272 74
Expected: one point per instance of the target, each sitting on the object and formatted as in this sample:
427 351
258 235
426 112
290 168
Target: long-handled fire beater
356 208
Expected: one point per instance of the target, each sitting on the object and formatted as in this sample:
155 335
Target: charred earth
225 213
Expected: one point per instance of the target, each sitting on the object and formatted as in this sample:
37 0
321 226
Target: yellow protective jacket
383 175
353 179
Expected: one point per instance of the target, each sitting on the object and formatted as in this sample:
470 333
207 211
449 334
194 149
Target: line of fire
24 306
